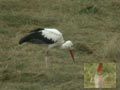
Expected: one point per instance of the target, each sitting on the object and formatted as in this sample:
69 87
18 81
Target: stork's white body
55 35
99 81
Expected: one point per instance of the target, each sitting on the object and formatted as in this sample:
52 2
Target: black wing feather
36 38
37 30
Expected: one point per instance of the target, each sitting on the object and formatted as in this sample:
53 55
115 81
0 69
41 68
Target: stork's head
69 46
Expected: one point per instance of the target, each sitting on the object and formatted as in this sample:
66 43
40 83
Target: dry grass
93 26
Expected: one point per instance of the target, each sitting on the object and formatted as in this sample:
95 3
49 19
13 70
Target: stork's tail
24 39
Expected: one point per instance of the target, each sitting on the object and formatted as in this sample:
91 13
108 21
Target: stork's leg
46 58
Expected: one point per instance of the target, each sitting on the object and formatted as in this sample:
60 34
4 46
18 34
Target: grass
92 25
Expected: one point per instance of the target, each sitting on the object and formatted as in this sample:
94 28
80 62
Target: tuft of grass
89 10
3 31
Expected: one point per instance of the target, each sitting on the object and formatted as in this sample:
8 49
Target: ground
92 25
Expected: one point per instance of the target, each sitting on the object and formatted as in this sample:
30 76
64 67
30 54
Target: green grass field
92 25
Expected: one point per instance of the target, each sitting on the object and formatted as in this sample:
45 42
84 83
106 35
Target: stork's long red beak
100 68
72 55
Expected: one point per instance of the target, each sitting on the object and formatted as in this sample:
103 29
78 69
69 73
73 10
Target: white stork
50 36
99 79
